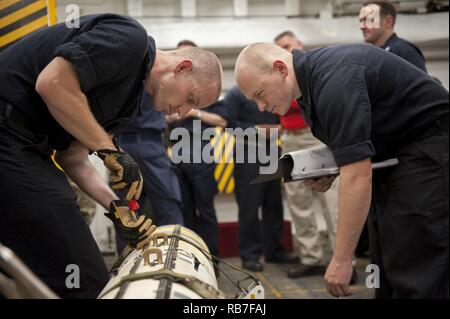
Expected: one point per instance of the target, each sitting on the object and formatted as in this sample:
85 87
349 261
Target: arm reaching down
355 191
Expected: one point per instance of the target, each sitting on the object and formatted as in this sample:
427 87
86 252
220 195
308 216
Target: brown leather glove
125 172
134 230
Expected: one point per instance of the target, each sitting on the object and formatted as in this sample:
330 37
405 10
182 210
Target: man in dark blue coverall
256 237
198 186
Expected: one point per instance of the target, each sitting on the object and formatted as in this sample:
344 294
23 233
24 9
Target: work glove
134 230
125 173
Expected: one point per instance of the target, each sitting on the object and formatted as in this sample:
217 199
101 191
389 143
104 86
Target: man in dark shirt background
384 13
66 89
256 236
197 182
369 105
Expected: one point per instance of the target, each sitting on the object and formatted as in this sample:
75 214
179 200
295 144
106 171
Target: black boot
252 265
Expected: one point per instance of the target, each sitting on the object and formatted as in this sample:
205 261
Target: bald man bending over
364 104
69 89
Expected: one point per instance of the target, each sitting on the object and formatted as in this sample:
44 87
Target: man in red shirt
304 204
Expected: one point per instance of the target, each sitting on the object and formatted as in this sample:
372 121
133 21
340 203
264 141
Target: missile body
175 265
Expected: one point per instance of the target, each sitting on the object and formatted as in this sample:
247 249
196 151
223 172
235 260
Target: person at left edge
64 89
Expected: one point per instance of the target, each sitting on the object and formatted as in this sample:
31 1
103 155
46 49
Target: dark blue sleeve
219 109
411 54
147 120
344 111
111 51
233 102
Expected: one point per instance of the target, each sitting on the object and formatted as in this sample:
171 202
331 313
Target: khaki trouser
303 203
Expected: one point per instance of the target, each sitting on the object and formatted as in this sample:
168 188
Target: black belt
14 120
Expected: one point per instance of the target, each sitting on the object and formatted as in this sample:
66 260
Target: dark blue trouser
254 234
41 221
198 188
408 222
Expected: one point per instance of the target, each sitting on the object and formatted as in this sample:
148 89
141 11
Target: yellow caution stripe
22 13
23 31
7 3
19 18
51 9
223 154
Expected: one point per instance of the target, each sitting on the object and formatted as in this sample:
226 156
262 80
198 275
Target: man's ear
281 67
183 66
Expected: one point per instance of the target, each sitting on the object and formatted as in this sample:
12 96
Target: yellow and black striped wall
21 17
223 173
223 144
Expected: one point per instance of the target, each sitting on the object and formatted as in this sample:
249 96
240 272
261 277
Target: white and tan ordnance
175 265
